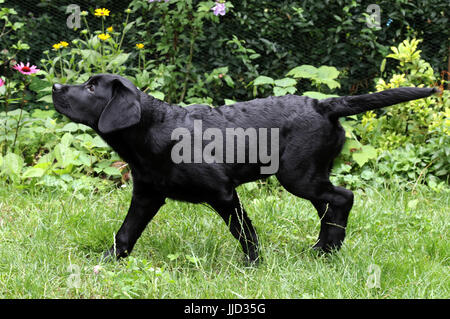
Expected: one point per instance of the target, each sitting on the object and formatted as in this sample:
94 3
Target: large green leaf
67 139
90 56
33 172
262 79
12 165
99 142
70 127
332 84
118 60
43 114
157 94
112 171
286 82
318 95
351 146
367 153
278 91
327 73
303 71
64 155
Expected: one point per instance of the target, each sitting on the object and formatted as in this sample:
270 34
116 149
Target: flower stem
20 116
123 33
6 115
61 64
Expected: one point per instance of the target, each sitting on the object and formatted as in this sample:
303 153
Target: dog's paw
252 262
326 248
112 254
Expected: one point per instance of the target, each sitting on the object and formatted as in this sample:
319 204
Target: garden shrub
284 34
410 140
180 52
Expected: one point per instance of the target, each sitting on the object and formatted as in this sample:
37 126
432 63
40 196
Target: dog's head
105 102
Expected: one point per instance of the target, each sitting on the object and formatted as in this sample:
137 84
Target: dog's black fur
139 127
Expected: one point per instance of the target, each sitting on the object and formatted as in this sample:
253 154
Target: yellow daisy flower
102 12
57 46
140 46
63 43
110 29
104 37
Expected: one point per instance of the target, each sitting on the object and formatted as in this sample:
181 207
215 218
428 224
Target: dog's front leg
144 205
234 215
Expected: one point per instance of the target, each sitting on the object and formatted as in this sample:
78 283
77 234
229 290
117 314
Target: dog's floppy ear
123 110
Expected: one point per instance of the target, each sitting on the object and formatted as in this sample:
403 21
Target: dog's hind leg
333 209
240 225
332 203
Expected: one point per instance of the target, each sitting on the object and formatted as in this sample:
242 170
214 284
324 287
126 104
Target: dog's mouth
61 103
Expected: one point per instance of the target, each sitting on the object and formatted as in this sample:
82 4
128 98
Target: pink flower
219 8
97 269
26 69
2 82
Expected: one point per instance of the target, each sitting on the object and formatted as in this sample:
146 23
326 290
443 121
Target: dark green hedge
322 33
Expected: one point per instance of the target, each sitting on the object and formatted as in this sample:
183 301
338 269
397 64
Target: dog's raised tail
350 105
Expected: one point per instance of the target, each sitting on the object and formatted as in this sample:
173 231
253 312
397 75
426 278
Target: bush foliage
181 52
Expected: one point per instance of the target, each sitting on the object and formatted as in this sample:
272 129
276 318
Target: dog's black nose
57 87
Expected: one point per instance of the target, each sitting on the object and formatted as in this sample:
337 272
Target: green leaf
67 139
86 139
367 175
157 94
43 114
70 127
112 171
383 65
327 73
43 165
291 90
12 164
286 82
118 60
83 159
370 151
261 80
66 170
90 56
46 99
128 27
64 155
33 172
367 152
99 142
351 146
277 91
332 84
303 71
38 85
318 95
229 102
229 81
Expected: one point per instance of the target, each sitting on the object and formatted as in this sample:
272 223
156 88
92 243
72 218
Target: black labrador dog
298 135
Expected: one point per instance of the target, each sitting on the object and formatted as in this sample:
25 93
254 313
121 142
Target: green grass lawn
51 242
